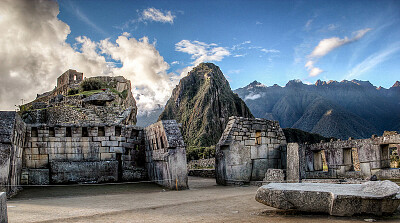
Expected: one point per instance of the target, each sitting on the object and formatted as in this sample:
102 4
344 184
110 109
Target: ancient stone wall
3 208
207 173
360 158
247 148
202 163
166 155
68 80
83 153
12 139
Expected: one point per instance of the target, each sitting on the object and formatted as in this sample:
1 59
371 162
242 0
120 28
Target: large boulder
374 197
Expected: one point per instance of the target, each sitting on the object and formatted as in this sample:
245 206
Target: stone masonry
90 153
353 158
247 149
166 155
12 140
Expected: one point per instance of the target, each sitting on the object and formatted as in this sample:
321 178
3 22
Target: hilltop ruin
83 131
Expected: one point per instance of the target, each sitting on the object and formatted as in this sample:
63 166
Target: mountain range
332 109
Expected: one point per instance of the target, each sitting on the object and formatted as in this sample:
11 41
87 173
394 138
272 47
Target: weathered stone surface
373 197
3 208
274 175
247 158
166 155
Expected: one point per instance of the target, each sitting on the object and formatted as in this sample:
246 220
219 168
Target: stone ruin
247 149
347 159
256 150
55 150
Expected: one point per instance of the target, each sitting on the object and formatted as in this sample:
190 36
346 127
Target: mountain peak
320 83
295 82
203 102
397 84
255 84
362 83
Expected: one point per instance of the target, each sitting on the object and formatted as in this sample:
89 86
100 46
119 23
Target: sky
155 43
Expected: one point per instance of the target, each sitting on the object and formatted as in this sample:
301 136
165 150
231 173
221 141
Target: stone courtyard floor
147 202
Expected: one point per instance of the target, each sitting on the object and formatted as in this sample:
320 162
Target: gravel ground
146 202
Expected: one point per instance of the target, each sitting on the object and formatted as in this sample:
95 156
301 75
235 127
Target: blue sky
268 41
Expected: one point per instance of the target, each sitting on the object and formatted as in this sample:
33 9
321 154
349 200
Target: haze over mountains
333 109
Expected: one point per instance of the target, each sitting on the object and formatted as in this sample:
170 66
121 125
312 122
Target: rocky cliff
203 102
333 109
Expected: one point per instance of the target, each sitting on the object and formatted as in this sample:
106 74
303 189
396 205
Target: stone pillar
3 208
295 163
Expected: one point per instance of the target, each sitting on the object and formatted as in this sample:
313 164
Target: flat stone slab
373 197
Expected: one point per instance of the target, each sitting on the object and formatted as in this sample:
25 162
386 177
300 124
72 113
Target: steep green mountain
203 102
332 109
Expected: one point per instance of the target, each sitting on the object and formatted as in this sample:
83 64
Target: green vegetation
24 108
91 84
196 153
73 91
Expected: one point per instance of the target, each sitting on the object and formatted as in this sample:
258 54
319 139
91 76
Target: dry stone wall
12 139
166 155
360 159
247 148
89 153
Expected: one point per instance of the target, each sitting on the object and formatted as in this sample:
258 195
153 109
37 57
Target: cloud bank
34 52
327 45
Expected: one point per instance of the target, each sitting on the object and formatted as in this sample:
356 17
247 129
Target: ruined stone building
344 159
256 150
87 137
247 149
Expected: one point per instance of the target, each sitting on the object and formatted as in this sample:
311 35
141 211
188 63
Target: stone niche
247 149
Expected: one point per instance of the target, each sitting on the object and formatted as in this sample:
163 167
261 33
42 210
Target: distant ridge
342 109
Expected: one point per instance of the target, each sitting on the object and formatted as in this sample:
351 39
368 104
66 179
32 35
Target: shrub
196 153
73 91
91 84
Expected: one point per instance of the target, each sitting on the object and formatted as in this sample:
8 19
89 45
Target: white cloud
327 45
332 27
372 61
252 96
234 71
270 51
82 16
307 26
239 55
258 23
175 62
202 52
34 53
240 45
153 14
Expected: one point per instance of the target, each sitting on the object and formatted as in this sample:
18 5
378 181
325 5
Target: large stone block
38 176
373 197
109 143
3 207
